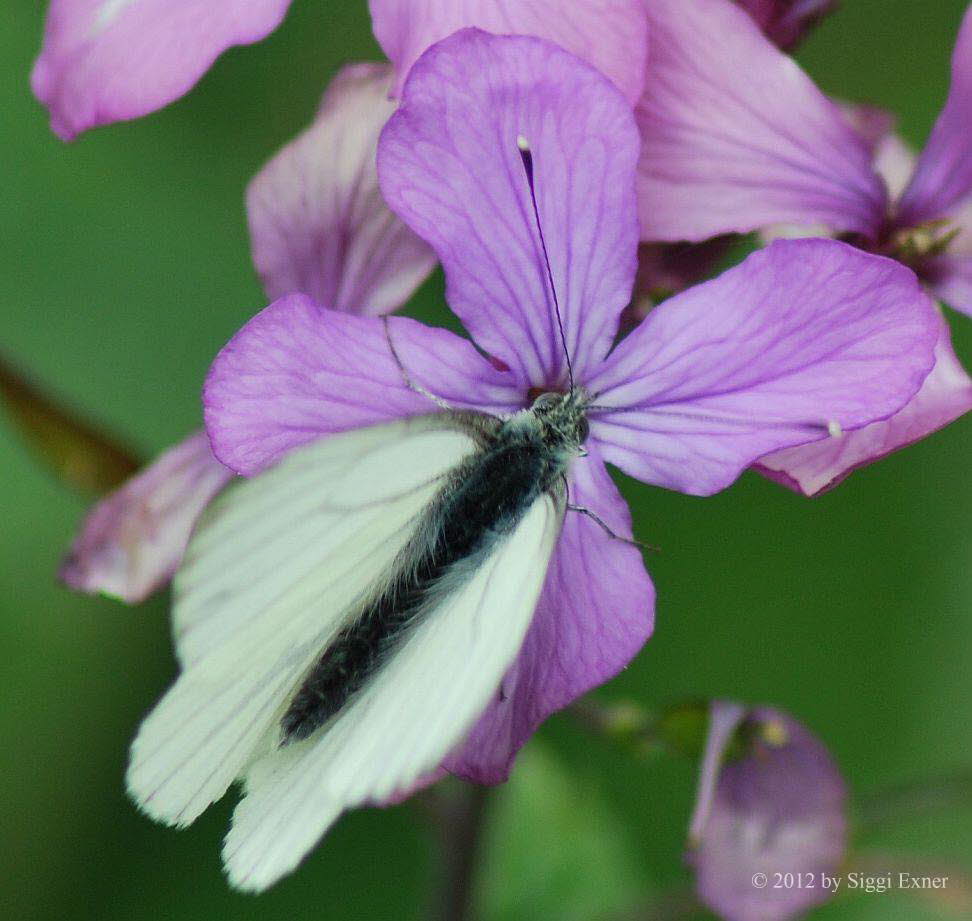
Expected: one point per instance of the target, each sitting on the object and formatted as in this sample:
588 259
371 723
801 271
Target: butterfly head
563 420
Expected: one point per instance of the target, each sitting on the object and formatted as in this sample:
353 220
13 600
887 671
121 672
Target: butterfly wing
271 575
405 721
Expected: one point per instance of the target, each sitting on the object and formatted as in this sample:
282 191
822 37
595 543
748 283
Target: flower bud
770 817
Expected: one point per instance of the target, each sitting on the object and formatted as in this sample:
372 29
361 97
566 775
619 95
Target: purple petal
804 337
449 165
779 808
786 22
735 148
609 34
961 218
595 613
297 371
943 176
950 277
724 718
945 395
132 542
318 222
107 60
894 162
872 123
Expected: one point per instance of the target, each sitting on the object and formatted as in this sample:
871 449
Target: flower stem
459 817
76 450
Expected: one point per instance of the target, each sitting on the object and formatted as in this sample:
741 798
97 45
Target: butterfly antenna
406 377
526 156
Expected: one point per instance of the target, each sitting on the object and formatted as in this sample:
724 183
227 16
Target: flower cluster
534 151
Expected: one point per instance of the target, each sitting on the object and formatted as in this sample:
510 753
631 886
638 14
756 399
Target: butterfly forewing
275 569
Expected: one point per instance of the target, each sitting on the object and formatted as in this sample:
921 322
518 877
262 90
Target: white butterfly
343 618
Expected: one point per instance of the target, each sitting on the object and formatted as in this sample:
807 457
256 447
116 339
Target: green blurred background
124 266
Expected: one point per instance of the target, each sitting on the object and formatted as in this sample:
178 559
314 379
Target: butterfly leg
418 388
607 529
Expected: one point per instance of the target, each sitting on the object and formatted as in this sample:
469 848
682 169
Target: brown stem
78 451
459 817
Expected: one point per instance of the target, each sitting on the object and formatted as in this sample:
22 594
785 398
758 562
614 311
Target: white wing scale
269 579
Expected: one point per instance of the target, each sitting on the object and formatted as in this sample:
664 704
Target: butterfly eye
583 429
544 403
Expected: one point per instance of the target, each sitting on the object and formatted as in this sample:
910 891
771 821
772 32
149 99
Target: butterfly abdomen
484 502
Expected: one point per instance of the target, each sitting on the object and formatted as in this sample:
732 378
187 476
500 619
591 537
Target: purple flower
770 801
108 60
731 149
786 22
318 225
802 339
722 153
